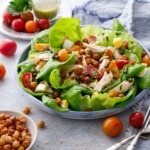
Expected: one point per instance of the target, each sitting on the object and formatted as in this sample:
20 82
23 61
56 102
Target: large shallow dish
77 114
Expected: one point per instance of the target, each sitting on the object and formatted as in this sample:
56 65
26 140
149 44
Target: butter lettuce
55 80
53 64
65 27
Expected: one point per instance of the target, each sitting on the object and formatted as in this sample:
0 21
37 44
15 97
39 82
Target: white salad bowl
30 124
79 114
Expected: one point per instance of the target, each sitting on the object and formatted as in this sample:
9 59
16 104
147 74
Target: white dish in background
29 124
63 12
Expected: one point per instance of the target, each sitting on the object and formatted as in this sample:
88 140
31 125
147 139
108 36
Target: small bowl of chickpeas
17 131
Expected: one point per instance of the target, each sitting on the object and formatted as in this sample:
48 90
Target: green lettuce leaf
52 104
55 80
53 64
117 26
65 27
144 82
78 97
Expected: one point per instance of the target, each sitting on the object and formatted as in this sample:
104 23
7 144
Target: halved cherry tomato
93 72
2 71
92 39
136 119
120 63
26 80
146 60
114 69
63 55
112 126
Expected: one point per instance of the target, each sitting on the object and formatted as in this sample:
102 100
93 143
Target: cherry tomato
2 71
93 72
31 26
27 16
43 23
136 119
112 126
18 25
26 80
8 18
121 63
63 55
114 69
8 47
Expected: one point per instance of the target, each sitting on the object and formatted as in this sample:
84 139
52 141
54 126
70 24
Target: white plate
64 11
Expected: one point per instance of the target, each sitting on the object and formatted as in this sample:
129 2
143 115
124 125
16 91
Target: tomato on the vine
136 119
2 71
112 126
26 80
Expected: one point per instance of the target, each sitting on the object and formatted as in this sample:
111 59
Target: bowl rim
29 119
83 115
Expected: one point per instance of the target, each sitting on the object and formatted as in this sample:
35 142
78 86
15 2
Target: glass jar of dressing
45 8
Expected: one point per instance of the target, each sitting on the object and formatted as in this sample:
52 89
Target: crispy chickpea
26 144
2 142
7 147
85 40
21 148
78 71
81 77
125 45
79 43
8 122
26 110
113 93
2 116
16 144
56 94
4 130
19 128
87 80
95 63
80 57
96 56
9 139
1 126
121 95
7 116
63 74
22 119
33 85
88 61
41 124
124 57
16 134
11 131
144 54
82 52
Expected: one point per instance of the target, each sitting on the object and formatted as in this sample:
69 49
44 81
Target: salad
88 68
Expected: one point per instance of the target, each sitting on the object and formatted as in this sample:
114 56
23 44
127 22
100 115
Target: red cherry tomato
8 47
8 18
43 23
18 25
121 63
93 72
27 16
2 71
136 119
26 80
112 126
